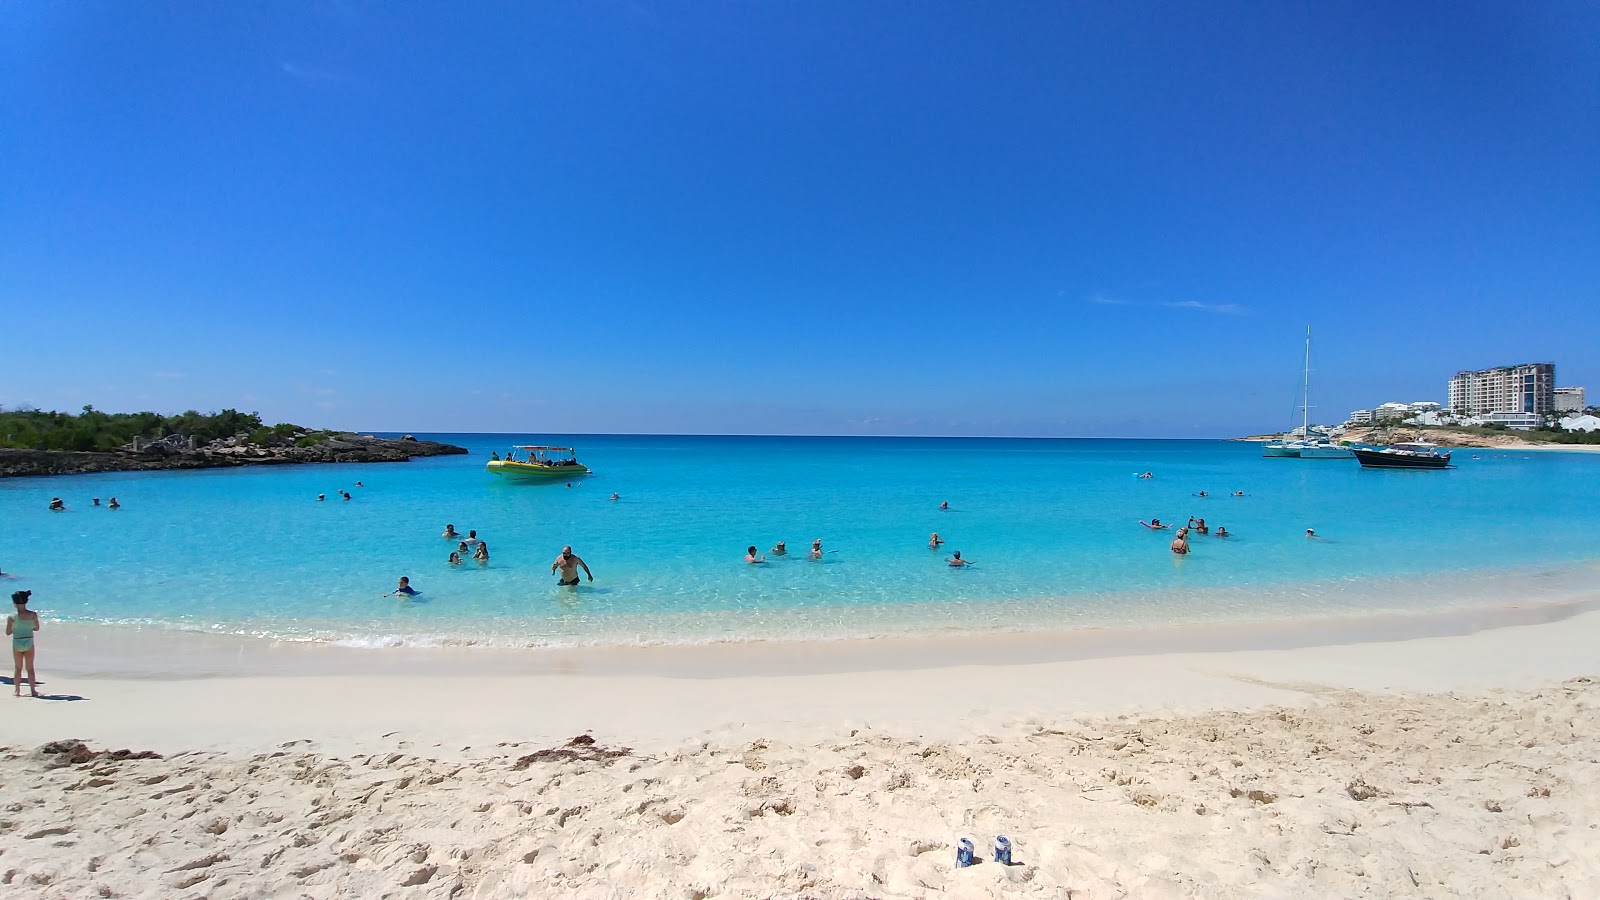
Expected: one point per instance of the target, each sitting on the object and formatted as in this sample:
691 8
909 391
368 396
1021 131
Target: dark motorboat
1414 455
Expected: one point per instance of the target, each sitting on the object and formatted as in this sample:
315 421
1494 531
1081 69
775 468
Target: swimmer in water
113 504
934 541
56 504
1180 542
463 549
956 561
405 589
1155 525
455 558
1311 535
1238 493
945 505
1147 475
321 497
779 549
1202 494
752 558
359 484
482 553
568 562
615 496
816 549
346 494
96 502
1222 531
450 533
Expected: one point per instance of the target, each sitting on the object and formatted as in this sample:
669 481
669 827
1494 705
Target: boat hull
526 472
1327 452
1280 451
1377 459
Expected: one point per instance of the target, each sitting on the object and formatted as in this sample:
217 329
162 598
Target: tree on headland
26 428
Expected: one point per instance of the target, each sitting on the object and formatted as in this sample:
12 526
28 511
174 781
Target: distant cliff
184 453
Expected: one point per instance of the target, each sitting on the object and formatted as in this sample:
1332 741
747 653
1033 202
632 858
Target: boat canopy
542 455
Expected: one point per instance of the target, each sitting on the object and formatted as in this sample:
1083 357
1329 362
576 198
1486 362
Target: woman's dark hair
20 597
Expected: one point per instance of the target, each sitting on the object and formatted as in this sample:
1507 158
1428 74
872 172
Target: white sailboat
1308 446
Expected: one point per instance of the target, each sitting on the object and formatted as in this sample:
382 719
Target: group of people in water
567 563
58 505
754 557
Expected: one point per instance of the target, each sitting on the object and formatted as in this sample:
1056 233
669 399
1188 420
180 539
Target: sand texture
1488 794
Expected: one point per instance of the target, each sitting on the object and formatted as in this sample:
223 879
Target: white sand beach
1464 762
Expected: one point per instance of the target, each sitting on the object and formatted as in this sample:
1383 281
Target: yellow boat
538 463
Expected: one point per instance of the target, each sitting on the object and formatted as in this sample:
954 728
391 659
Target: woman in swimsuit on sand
21 626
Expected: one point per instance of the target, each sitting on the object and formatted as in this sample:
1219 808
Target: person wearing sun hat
21 626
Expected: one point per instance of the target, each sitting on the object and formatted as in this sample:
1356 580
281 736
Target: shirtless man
956 561
751 556
568 562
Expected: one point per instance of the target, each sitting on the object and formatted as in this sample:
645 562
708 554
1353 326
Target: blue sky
837 218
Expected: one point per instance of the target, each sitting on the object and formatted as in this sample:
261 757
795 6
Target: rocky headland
184 453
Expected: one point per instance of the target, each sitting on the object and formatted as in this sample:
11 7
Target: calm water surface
1052 524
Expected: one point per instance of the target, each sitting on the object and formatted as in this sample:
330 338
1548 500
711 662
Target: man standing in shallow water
568 562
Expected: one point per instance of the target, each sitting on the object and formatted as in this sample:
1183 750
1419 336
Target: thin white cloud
1225 309
1221 309
304 73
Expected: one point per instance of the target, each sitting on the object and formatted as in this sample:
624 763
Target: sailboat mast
1305 425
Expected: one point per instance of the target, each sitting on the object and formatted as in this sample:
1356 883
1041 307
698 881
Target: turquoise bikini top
22 628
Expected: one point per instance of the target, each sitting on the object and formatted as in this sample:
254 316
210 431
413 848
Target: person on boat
450 533
1155 525
22 625
934 541
1180 542
455 558
752 557
945 505
405 589
56 504
1222 531
779 549
568 562
816 549
113 504
956 561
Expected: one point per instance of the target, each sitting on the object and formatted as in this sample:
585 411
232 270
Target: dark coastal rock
180 454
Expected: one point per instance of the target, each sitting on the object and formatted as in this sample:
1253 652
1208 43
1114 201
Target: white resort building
1528 388
1570 400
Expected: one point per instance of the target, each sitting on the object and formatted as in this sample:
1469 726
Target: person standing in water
450 533
1180 542
957 562
568 562
779 549
752 557
482 553
405 589
22 625
934 541
816 549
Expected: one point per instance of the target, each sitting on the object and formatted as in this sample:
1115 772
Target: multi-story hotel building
1570 400
1528 388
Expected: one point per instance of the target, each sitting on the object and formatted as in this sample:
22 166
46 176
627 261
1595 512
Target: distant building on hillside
1569 400
1528 388
1581 423
1360 417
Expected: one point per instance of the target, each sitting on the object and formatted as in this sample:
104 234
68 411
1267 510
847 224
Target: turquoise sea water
1052 525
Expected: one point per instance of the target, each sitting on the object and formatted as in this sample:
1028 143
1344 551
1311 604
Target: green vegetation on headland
96 431
52 443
